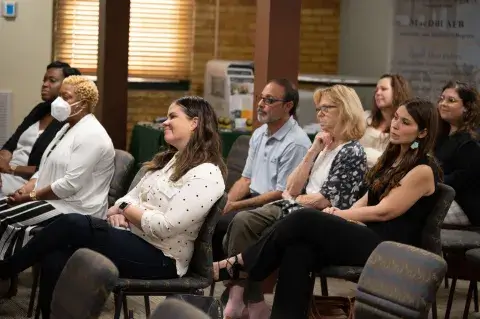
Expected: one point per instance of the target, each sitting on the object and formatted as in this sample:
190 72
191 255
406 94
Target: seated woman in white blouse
161 216
391 91
75 171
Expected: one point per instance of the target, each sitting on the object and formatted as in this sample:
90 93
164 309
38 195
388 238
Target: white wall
25 51
365 37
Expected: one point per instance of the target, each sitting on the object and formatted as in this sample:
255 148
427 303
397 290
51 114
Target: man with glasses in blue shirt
276 148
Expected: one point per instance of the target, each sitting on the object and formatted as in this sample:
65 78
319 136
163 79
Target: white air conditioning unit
228 87
6 117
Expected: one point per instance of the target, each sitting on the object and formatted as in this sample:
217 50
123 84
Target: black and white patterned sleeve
346 176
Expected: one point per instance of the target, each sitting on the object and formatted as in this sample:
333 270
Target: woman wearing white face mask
74 174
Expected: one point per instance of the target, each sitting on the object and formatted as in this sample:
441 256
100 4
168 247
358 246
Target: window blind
160 43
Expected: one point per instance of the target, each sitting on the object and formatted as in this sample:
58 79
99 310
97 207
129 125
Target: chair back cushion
201 264
175 308
236 160
398 281
84 286
141 172
123 166
443 198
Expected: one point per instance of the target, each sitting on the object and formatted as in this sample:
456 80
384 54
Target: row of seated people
140 209
282 163
56 170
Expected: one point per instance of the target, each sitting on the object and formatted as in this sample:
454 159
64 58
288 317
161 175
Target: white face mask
61 110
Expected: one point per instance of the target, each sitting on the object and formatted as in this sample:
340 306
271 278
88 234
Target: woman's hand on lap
114 210
118 220
286 195
331 210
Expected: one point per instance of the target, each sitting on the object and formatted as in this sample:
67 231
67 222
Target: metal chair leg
434 309
324 286
33 292
118 298
475 296
450 298
147 305
125 306
212 289
468 301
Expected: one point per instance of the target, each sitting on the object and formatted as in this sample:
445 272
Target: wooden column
112 71
277 43
277 55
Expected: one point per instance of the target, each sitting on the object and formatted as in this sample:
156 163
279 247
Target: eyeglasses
325 108
269 100
448 99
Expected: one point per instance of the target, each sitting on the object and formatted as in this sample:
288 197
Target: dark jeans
302 242
52 247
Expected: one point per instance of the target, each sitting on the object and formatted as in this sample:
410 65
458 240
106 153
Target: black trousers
302 242
52 247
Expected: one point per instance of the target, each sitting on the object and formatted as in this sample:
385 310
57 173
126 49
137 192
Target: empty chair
236 160
83 287
398 281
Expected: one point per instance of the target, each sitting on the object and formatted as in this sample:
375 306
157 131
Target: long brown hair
383 176
401 93
204 145
471 101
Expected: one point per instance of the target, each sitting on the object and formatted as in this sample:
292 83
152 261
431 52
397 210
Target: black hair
291 93
66 68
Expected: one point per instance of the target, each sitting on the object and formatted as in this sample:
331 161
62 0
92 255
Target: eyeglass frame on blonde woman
325 108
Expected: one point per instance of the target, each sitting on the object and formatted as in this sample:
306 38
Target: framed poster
435 41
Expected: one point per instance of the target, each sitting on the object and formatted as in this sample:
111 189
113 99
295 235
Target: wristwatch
123 206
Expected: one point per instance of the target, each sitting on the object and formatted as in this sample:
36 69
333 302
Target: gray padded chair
124 162
398 281
237 156
431 241
84 286
175 309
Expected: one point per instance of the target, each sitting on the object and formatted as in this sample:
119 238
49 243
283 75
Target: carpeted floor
17 306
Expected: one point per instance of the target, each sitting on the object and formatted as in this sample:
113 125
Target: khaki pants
243 231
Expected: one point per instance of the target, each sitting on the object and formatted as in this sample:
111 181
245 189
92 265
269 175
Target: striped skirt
16 223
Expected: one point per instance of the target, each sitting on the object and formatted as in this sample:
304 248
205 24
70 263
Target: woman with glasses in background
458 151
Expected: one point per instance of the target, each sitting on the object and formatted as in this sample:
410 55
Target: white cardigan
79 168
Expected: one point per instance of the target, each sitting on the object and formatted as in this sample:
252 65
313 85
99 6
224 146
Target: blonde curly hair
84 89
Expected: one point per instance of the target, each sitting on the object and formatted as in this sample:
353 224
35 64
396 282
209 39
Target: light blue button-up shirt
271 159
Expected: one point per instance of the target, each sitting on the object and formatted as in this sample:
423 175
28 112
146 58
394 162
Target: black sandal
231 271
